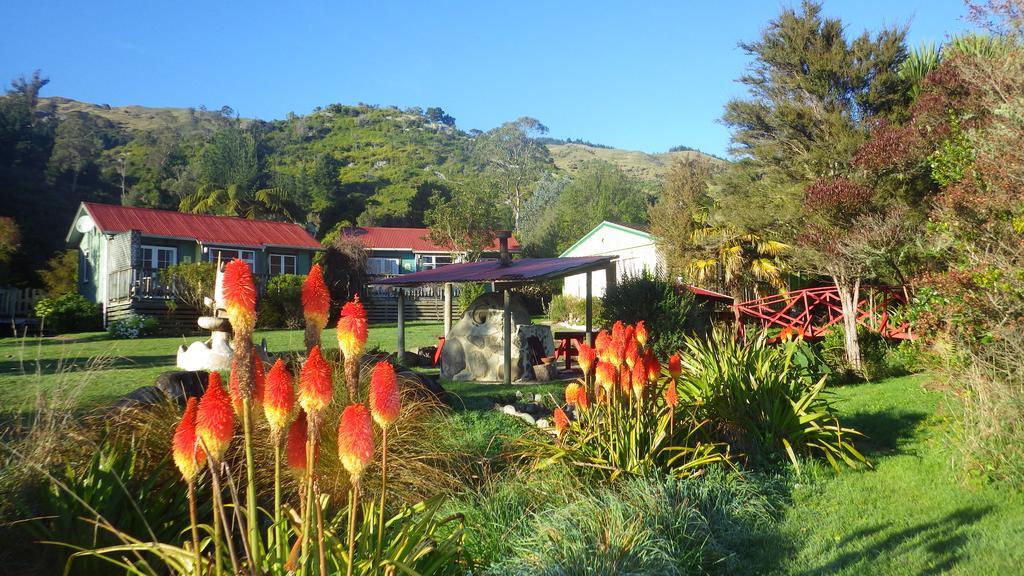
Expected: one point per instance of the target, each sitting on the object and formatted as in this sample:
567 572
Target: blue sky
638 74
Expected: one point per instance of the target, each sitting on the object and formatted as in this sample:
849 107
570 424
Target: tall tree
813 97
463 222
78 144
515 161
682 208
599 191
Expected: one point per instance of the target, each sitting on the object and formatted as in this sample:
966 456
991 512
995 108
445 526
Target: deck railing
135 284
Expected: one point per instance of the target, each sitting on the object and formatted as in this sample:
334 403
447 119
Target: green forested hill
337 165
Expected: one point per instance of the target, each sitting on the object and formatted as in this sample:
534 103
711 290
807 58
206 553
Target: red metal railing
813 311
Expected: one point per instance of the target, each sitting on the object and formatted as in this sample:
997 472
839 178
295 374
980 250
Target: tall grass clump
643 525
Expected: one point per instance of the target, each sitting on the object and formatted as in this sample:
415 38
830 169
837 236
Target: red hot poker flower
384 400
572 393
355 440
352 328
632 355
215 422
639 378
187 455
582 400
671 395
561 421
279 397
239 296
298 435
625 381
316 300
675 368
653 367
315 385
586 356
606 376
641 333
259 383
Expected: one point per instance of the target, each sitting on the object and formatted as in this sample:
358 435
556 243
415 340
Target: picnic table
568 344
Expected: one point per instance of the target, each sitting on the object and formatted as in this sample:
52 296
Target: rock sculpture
473 349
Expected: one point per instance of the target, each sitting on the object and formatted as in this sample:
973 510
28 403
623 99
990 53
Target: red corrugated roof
414 239
492 271
227 230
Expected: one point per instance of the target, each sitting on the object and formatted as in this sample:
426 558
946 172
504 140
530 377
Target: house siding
636 252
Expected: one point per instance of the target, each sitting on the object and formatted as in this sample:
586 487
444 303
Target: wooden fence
19 303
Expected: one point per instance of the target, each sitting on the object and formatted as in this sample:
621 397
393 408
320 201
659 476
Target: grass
32 366
910 514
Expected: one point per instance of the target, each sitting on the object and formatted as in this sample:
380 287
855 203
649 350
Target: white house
633 246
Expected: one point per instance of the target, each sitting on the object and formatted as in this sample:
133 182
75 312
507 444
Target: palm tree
736 259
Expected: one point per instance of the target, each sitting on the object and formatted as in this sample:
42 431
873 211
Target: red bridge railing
811 312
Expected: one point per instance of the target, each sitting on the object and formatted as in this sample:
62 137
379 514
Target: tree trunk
849 294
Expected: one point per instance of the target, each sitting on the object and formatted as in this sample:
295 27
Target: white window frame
377 266
281 268
429 261
154 256
239 253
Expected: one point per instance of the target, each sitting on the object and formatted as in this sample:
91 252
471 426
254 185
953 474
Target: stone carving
473 349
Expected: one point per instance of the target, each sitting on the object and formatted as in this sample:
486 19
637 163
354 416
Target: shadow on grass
944 539
885 432
59 365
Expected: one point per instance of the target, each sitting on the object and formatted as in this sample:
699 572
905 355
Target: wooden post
507 333
447 308
400 352
590 310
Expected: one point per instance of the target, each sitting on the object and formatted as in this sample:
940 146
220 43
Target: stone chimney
503 236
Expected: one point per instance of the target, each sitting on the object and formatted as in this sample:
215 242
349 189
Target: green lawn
908 515
59 366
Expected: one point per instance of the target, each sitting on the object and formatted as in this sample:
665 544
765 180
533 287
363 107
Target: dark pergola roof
523 270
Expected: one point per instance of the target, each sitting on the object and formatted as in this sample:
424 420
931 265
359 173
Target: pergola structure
504 275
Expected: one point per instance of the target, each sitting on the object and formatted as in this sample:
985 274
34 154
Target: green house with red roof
122 250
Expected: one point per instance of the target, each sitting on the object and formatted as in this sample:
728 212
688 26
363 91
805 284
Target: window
431 262
228 254
158 257
282 264
379 266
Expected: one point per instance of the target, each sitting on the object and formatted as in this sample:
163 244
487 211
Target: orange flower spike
352 328
384 399
355 440
601 341
671 395
259 383
295 450
561 421
629 333
315 385
625 381
582 400
187 455
239 296
639 378
632 355
675 368
653 367
215 422
586 356
618 329
279 397
572 393
641 334
316 300
606 376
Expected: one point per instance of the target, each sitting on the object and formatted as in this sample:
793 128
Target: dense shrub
61 273
69 313
669 314
571 310
131 327
281 304
191 282
469 292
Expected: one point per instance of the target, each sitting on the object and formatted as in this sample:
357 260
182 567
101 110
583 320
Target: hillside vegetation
337 166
